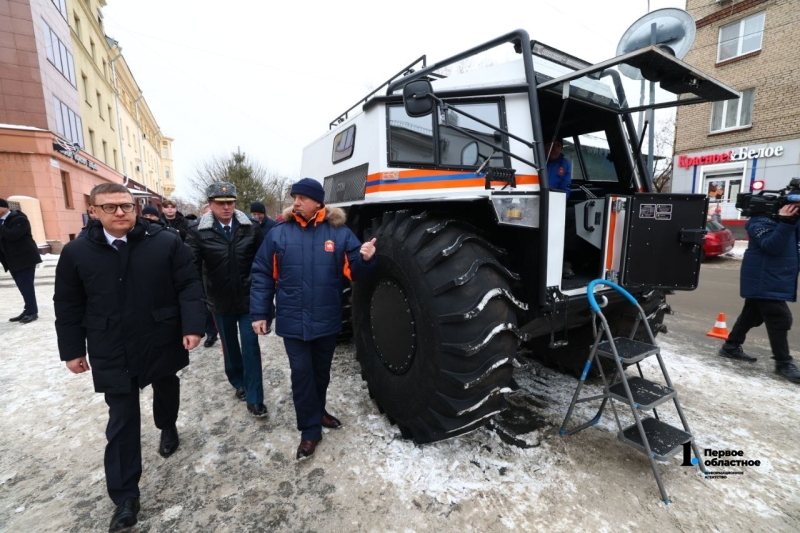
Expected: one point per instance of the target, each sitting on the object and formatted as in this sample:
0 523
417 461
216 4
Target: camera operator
768 280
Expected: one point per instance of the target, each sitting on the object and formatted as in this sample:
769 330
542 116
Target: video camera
768 203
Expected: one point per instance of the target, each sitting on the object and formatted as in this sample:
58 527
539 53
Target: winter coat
132 307
18 251
308 261
179 223
225 265
266 225
772 260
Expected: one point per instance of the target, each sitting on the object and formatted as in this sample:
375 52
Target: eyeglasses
112 208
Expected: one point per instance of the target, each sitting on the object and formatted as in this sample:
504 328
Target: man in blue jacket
768 280
306 259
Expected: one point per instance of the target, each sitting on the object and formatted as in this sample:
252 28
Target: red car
718 240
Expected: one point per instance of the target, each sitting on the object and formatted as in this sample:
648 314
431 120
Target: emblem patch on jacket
562 171
329 247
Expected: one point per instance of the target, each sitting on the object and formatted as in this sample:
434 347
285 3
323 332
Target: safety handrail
593 302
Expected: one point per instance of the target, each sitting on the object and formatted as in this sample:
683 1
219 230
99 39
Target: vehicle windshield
714 226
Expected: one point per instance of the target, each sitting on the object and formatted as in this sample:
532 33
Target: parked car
718 240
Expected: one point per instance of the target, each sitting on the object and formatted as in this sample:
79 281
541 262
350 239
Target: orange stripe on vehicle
611 232
347 272
522 179
455 184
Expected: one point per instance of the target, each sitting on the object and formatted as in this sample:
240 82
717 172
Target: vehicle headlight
517 210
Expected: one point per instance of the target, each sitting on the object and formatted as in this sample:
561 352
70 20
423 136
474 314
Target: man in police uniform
223 245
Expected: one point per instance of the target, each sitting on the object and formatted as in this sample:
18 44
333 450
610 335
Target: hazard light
757 185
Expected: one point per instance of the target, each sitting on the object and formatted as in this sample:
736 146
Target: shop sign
738 154
71 150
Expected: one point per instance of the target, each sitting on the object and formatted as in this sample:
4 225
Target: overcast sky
268 77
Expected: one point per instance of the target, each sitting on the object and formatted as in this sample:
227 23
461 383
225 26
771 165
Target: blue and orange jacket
306 263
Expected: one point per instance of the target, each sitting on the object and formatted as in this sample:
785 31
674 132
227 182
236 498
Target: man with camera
768 280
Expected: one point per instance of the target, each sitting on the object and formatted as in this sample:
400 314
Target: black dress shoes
18 317
28 318
329 421
241 394
125 515
169 441
258 410
307 448
210 340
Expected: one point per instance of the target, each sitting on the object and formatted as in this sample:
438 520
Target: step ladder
656 439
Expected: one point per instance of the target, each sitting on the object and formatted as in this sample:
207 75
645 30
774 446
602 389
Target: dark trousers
242 363
24 280
211 327
778 319
123 459
310 362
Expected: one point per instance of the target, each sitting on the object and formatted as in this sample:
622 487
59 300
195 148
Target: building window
730 114
85 83
110 118
105 152
58 55
165 152
115 160
91 47
741 37
91 142
66 187
61 5
166 169
68 123
78 31
105 69
99 105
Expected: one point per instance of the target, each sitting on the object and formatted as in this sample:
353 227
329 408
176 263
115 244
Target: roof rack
405 71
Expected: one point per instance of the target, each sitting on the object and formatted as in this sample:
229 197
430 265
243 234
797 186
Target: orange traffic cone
720 329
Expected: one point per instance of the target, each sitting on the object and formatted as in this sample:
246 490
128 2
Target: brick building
721 148
60 123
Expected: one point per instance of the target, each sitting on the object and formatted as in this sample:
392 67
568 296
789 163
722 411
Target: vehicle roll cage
523 45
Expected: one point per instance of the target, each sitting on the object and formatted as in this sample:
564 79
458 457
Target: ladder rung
664 440
630 351
646 394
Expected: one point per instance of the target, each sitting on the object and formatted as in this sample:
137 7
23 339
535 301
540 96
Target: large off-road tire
435 328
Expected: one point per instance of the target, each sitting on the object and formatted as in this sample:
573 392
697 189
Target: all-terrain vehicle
450 175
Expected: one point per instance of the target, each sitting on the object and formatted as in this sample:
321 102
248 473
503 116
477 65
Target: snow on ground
235 473
738 250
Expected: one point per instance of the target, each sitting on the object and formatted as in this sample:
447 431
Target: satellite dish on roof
675 32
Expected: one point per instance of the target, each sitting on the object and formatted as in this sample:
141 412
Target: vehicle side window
343 144
410 139
452 142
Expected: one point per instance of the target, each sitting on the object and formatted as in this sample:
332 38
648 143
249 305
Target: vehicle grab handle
586 207
593 302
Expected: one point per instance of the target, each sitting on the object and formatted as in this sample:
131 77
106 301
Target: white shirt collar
6 215
110 238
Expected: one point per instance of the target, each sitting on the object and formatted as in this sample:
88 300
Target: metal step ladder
655 438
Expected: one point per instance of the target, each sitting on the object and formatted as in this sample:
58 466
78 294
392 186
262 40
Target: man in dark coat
20 255
223 245
259 213
130 292
305 260
173 218
769 273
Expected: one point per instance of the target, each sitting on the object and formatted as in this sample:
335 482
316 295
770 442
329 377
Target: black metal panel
657 252
346 186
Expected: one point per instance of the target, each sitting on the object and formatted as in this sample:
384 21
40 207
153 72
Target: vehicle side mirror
469 154
417 98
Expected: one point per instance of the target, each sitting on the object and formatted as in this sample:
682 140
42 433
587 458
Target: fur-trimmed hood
207 220
333 215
